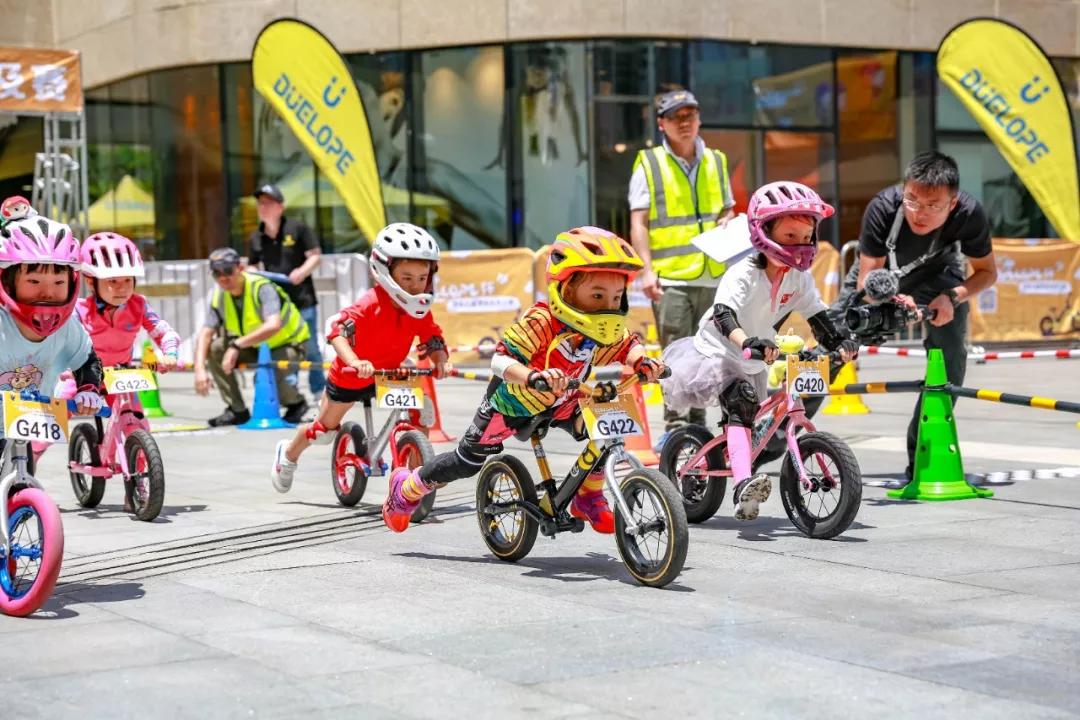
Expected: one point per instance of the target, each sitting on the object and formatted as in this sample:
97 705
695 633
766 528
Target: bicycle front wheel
654 539
828 506
346 464
145 485
28 574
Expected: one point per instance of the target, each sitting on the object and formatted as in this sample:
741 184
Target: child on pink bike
754 295
39 335
376 333
114 313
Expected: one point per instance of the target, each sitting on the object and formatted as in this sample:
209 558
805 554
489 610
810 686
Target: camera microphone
881 285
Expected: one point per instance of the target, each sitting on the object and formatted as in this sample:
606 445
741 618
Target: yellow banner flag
1005 81
302 75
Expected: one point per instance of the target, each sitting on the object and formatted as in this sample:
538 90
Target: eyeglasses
915 206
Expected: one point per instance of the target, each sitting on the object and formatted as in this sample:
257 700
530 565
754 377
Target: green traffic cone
151 399
939 470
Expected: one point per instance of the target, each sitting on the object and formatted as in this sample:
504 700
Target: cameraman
921 231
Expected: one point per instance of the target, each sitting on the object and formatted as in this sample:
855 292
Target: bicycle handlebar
601 375
395 373
103 412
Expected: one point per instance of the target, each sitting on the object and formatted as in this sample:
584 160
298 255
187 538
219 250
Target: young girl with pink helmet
754 295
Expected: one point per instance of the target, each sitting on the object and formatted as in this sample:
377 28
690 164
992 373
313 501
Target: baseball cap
673 100
224 258
272 191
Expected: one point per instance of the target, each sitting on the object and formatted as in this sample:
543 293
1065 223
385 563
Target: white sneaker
751 493
283 469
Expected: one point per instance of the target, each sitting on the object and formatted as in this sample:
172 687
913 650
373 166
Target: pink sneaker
594 509
397 510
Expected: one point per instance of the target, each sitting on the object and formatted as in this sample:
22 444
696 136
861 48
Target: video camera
884 315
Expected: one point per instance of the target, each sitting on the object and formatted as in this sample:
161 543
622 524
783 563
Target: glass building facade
505 145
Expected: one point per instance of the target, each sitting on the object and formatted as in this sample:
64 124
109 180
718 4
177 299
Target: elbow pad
826 331
725 319
90 374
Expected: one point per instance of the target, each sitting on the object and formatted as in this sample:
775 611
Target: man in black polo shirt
289 247
924 229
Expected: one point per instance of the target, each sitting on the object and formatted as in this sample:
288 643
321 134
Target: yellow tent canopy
127 208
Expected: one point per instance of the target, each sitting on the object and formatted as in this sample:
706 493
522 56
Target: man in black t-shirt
288 247
925 228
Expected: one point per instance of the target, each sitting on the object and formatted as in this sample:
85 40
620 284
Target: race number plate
35 421
128 380
609 420
808 377
400 394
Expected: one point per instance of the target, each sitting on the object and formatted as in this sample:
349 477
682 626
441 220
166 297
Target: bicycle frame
15 452
398 421
127 416
777 407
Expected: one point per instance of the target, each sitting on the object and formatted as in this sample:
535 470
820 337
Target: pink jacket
113 330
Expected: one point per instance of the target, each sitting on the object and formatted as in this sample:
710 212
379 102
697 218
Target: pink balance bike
123 446
31 533
820 479
358 452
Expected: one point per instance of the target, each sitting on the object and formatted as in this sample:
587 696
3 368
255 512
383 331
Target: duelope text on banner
307 82
1007 84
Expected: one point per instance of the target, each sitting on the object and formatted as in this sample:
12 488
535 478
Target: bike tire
701 497
88 489
142 443
31 505
850 485
414 450
507 546
347 478
666 566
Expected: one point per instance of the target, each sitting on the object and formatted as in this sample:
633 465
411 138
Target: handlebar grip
537 382
751 354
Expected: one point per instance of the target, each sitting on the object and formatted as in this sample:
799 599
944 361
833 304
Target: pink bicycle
820 479
124 446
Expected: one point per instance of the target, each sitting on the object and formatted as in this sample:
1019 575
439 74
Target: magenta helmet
785 198
38 241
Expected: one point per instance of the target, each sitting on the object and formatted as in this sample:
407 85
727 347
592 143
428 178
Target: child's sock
739 452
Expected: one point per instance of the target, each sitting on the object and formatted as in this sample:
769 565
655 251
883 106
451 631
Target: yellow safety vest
678 212
294 330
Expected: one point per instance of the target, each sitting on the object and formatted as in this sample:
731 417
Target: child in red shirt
376 333
583 325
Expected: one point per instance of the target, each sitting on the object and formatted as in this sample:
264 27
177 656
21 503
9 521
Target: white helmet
405 241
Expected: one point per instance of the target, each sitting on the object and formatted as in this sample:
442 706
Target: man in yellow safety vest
678 190
245 311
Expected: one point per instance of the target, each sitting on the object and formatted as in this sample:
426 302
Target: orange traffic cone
434 430
641 445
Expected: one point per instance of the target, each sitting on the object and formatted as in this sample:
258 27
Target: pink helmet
111 255
785 198
33 241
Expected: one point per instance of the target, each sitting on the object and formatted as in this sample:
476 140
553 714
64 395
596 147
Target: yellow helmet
590 249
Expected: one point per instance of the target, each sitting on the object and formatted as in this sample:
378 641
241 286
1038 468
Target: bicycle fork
617 454
18 474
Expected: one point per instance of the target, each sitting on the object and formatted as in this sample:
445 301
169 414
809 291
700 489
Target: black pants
484 437
950 338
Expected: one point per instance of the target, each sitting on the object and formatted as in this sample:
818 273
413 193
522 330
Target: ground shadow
67 595
573 569
769 528
111 511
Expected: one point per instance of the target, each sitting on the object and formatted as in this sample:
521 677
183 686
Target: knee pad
319 434
740 402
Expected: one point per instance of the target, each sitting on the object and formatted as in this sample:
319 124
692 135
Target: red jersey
383 336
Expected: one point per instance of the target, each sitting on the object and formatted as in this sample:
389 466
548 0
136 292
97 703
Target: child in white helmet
375 333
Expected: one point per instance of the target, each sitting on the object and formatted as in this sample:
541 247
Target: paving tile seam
1014 569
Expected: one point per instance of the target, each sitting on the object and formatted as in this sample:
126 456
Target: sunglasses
223 273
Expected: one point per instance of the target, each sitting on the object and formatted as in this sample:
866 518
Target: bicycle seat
537 424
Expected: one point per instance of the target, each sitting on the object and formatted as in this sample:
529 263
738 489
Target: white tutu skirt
696 379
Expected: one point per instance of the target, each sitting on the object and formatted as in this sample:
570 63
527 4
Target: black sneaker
295 413
230 417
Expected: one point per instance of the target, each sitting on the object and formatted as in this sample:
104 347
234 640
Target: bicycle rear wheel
510 535
414 450
28 575
83 449
702 496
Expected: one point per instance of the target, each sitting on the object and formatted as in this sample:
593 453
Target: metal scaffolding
60 177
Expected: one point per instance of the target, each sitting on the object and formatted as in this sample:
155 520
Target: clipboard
728 244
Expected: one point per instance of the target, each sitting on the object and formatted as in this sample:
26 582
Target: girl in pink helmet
754 295
114 313
39 336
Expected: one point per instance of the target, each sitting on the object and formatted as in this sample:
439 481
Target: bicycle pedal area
278 595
